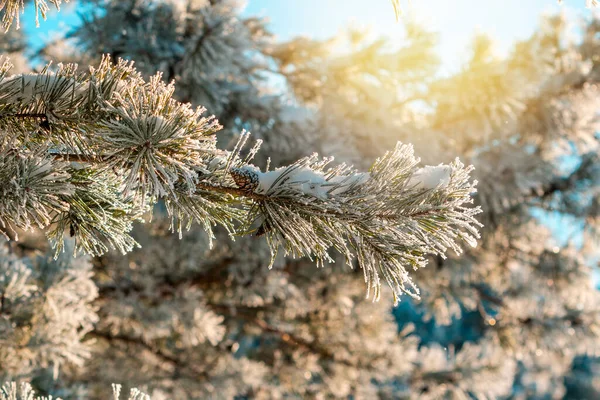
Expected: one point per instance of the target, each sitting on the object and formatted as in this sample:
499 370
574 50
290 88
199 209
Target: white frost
217 162
301 179
431 177
27 87
346 182
307 181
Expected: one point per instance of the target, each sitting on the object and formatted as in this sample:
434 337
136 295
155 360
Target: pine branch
560 184
12 8
287 337
120 144
10 391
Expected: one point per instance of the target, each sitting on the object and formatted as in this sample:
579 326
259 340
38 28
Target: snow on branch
389 218
89 153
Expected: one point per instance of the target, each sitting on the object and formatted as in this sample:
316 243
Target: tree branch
168 358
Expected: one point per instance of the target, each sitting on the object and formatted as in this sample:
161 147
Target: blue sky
455 20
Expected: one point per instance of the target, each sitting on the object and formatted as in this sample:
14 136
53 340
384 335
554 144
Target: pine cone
245 179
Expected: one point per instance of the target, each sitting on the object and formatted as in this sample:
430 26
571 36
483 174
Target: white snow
348 181
301 179
216 163
306 180
31 85
431 177
157 121
160 127
27 83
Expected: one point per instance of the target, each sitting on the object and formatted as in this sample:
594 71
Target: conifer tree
89 153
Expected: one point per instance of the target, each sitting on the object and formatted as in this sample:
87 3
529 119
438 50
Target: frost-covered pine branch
180 319
88 153
45 312
12 8
24 391
389 218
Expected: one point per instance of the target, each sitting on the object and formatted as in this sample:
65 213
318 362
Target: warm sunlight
300 199
455 20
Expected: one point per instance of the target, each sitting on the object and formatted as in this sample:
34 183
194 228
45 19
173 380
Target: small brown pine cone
245 179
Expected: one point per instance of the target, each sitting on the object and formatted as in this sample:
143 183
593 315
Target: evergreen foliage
125 170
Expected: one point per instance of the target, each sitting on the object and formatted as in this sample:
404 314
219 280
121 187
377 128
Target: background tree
517 317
